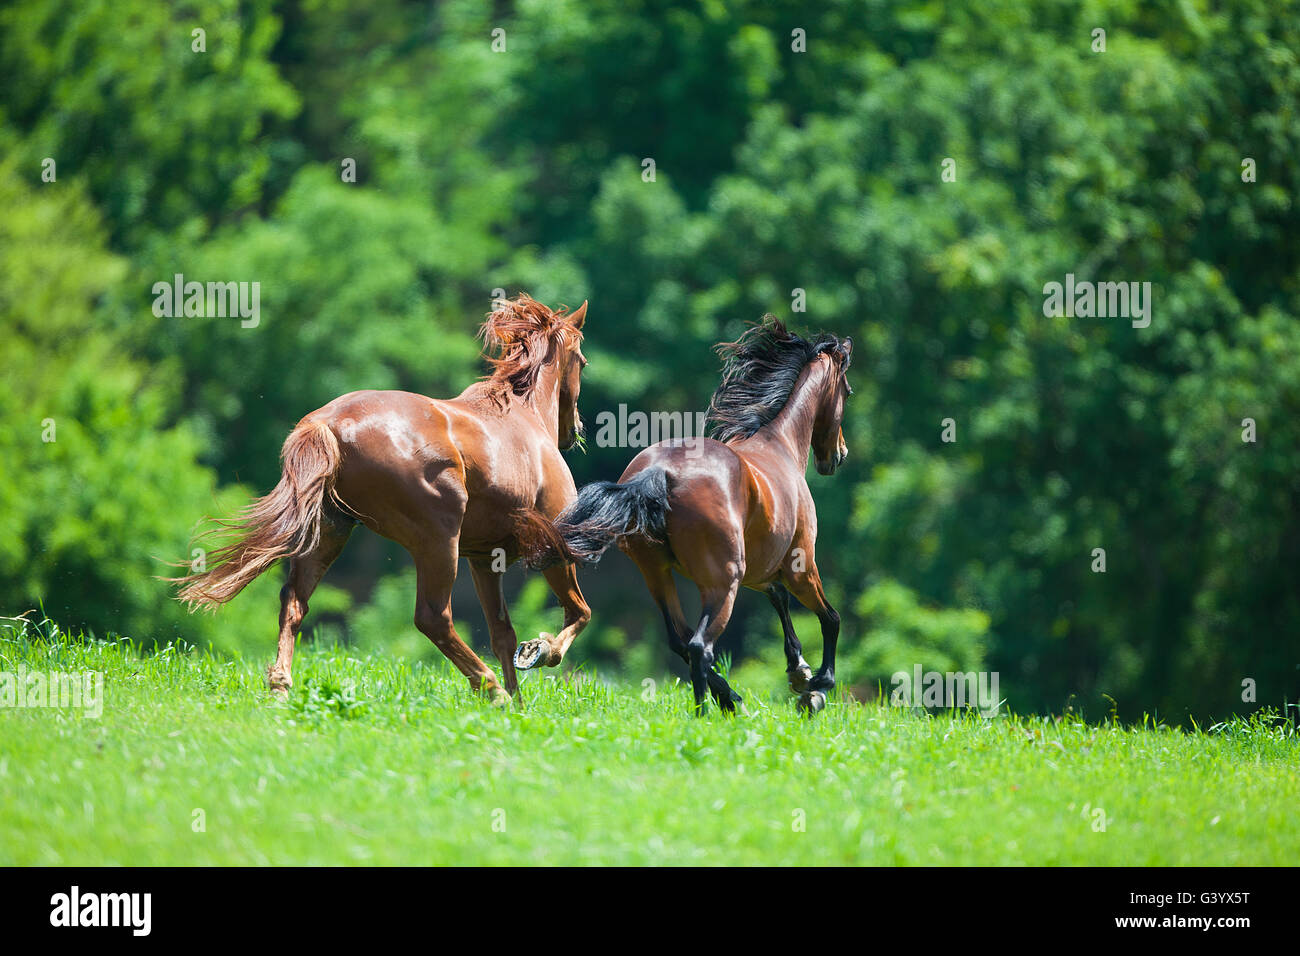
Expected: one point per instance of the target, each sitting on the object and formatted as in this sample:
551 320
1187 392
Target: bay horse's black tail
606 510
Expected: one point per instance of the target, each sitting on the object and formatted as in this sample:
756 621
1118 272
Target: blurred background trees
776 169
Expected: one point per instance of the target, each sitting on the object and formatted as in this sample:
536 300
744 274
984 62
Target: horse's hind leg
797 670
488 586
717 603
659 580
435 569
305 573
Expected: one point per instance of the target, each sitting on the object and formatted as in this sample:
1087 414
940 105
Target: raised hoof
799 678
812 701
532 654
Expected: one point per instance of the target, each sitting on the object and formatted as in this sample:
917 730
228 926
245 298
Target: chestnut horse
735 509
478 476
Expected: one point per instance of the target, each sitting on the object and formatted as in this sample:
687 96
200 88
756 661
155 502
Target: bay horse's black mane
759 372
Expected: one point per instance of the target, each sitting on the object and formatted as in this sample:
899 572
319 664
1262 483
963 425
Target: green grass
377 761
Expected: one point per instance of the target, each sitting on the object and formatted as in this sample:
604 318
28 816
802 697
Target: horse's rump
604 511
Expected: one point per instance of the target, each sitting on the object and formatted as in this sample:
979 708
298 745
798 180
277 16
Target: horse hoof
799 678
280 691
532 654
812 701
498 697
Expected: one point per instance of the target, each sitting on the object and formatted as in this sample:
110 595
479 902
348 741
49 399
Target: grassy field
375 761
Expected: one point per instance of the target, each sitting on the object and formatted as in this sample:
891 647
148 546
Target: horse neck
543 403
545 399
792 428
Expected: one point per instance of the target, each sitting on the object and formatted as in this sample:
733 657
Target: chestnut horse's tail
539 541
605 511
283 524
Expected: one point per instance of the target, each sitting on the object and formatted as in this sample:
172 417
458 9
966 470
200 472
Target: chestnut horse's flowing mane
523 333
759 372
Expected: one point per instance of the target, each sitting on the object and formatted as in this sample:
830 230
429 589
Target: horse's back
460 463
398 429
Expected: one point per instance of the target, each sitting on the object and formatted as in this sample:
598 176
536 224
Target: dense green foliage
775 170
379 761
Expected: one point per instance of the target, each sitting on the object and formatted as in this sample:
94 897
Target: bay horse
734 510
479 476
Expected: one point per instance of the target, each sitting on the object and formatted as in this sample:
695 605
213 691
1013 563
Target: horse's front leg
797 671
489 585
435 571
806 586
548 650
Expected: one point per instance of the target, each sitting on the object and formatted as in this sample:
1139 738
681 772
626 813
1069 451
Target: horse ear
579 316
846 347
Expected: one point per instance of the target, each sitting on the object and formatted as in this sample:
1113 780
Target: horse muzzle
830 466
